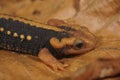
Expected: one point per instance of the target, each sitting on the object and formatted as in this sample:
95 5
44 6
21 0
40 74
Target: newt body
25 36
39 37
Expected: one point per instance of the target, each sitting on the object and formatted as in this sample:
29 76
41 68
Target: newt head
68 41
81 40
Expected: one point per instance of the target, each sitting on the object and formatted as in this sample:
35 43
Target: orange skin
81 34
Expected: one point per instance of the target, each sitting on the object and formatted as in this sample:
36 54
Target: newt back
25 38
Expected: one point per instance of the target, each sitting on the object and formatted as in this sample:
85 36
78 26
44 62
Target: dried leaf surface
102 17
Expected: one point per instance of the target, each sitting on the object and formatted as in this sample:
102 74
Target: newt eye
79 44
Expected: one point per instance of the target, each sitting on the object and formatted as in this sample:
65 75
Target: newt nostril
79 44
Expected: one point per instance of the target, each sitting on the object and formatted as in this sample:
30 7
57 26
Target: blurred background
101 17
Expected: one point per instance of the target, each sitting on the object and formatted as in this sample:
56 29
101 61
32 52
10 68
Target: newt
48 42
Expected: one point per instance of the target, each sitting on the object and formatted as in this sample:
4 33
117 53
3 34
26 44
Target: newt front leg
47 58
